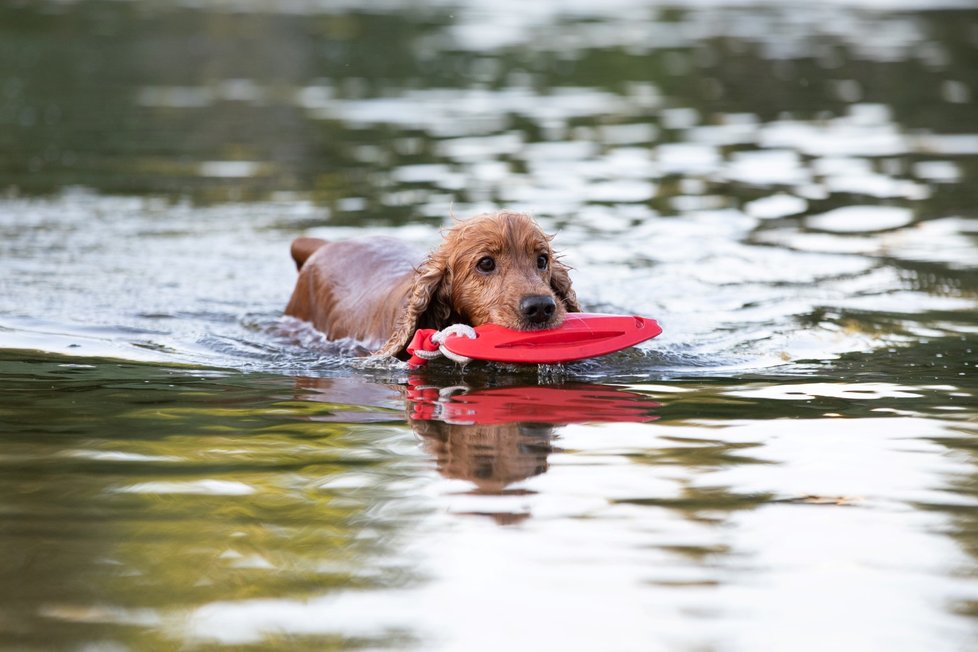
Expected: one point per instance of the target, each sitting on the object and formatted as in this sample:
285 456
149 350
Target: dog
493 268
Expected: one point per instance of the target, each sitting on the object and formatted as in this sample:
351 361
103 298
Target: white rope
461 330
428 355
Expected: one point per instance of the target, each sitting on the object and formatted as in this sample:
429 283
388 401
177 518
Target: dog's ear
561 284
428 304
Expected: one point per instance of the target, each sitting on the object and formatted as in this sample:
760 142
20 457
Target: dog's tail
304 247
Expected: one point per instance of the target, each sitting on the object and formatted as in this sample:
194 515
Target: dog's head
496 268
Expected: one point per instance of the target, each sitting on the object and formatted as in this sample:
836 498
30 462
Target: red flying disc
582 335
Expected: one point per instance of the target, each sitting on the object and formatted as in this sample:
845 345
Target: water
789 189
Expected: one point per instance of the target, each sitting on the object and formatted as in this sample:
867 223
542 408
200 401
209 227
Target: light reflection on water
787 188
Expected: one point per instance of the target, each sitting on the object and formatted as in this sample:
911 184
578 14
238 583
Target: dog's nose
538 309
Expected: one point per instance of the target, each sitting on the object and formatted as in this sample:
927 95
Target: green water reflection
134 494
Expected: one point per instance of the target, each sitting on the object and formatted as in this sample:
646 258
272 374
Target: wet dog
493 268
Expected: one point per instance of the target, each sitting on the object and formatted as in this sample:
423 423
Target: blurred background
389 111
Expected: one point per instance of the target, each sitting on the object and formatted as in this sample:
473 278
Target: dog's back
352 288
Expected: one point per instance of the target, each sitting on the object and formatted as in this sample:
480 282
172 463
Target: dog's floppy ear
561 284
428 304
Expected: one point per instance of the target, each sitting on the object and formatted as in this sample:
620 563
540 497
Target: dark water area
788 188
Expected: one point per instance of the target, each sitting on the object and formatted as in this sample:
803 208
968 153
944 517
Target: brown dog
495 268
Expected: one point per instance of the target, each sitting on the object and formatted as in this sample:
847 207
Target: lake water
789 188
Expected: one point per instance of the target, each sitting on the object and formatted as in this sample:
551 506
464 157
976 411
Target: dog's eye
542 261
486 264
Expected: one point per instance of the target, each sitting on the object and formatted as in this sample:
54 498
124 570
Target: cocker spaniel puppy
494 268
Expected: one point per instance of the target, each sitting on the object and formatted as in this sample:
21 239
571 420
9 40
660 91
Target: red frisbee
582 335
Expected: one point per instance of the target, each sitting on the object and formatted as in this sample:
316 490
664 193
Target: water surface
789 189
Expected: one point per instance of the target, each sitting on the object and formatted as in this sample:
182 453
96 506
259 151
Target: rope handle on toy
428 344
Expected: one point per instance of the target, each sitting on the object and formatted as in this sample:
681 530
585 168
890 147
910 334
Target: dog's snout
538 309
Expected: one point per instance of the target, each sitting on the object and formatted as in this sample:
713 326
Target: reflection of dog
494 268
496 436
492 437
491 456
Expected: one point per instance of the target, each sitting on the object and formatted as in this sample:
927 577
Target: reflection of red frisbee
532 404
582 335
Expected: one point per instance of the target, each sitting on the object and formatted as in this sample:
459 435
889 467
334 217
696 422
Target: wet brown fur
380 292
